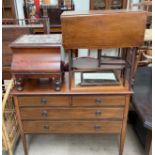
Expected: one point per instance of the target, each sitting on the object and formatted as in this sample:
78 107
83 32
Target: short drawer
44 100
72 126
96 100
71 113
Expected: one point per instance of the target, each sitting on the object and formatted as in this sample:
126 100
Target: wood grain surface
103 29
28 101
100 100
71 113
72 127
30 60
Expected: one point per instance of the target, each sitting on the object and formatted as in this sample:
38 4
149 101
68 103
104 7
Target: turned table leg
19 84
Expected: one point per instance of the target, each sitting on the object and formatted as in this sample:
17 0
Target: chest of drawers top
43 87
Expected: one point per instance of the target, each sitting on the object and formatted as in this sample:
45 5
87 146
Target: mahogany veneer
43 110
37 56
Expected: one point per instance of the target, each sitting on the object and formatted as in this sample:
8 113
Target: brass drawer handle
44 113
98 113
46 126
98 101
97 127
43 101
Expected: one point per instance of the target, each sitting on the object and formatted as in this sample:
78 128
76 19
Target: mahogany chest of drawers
43 110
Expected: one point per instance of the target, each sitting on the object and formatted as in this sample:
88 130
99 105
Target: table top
142 97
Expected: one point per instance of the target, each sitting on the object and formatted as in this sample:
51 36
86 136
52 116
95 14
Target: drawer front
72 126
71 113
95 100
44 100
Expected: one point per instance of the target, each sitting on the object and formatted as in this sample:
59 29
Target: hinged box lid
38 41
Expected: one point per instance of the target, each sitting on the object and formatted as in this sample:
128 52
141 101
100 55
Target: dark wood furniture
142 103
9 34
42 110
8 9
17 28
54 13
37 56
84 110
107 4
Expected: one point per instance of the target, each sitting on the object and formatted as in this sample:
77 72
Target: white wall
135 8
82 5
20 10
54 2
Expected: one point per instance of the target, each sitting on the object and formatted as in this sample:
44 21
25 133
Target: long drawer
44 100
72 126
71 113
98 100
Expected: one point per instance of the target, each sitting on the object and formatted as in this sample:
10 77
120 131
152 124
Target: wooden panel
9 34
103 29
72 113
6 73
14 31
7 58
43 100
8 9
72 127
36 60
95 100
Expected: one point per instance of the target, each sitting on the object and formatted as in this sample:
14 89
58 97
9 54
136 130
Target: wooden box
37 56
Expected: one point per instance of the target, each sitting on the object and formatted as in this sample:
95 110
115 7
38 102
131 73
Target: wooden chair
146 5
10 129
144 53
